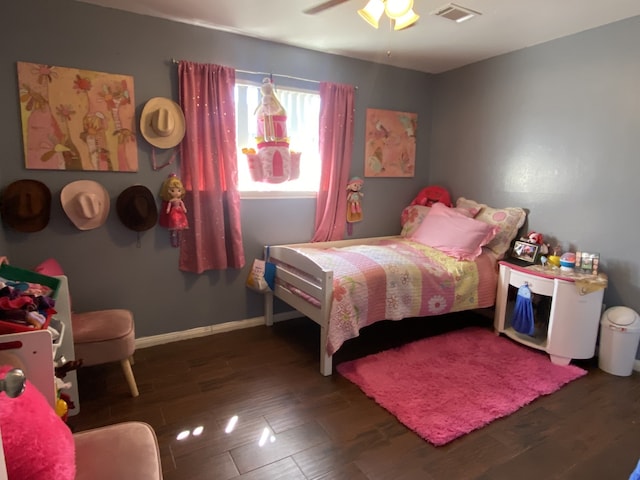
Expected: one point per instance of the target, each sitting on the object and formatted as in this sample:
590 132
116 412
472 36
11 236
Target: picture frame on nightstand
587 262
525 251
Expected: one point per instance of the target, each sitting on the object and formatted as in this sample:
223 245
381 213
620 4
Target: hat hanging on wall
137 209
162 122
26 205
86 203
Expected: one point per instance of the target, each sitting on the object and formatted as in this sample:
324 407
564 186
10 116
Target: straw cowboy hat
137 208
162 122
86 203
26 205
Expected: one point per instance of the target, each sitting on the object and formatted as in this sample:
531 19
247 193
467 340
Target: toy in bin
26 300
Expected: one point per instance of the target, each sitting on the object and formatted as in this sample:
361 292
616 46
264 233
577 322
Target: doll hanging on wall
173 214
354 207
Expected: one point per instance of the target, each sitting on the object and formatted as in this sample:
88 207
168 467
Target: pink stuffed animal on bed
432 194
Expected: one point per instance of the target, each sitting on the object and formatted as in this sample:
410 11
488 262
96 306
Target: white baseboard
636 365
163 338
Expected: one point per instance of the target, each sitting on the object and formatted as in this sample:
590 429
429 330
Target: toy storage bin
21 275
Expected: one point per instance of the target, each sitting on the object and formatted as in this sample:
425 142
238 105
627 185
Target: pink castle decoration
273 162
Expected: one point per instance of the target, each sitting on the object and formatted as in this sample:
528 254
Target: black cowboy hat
26 205
137 208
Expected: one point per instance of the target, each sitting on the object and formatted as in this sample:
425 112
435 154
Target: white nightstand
566 316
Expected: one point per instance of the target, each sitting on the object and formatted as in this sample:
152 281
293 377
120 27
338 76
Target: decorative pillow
38 445
413 215
411 218
508 220
49 267
454 233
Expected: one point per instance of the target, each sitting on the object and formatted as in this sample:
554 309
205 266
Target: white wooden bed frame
298 270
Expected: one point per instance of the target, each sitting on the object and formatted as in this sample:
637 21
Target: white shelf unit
37 350
65 348
566 321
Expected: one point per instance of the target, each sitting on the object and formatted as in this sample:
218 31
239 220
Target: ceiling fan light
372 12
406 20
397 8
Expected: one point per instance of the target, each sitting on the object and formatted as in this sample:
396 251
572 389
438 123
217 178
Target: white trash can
619 338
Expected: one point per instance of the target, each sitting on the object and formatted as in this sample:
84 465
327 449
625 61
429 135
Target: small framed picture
525 251
587 262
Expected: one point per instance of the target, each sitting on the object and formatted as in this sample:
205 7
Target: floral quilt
396 279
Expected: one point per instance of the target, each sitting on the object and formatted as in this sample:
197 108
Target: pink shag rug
446 386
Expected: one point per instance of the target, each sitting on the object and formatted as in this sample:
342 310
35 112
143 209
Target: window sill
276 195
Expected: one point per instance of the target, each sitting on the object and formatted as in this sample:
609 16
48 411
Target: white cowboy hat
162 122
86 203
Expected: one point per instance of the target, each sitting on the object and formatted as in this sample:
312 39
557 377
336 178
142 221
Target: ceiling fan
323 6
400 11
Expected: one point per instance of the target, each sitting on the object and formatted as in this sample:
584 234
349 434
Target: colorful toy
554 258
567 261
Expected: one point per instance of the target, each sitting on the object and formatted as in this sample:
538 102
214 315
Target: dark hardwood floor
325 428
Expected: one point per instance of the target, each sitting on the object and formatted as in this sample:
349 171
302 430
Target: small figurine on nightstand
554 259
538 239
173 214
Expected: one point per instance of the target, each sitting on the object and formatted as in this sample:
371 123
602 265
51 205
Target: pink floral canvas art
77 119
390 149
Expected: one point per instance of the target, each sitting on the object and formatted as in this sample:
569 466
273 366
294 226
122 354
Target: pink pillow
38 445
413 215
50 268
453 233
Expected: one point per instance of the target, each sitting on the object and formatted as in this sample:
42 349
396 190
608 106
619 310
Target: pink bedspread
396 279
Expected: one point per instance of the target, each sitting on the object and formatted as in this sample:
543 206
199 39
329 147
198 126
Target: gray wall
553 128
105 267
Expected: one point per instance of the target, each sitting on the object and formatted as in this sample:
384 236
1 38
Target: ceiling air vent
456 13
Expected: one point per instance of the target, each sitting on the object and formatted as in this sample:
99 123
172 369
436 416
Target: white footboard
297 277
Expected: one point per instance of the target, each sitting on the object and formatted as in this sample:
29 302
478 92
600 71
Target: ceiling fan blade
323 6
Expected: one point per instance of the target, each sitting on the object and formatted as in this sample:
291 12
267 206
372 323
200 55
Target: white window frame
246 127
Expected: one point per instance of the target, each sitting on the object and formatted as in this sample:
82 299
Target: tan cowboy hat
137 209
86 203
162 122
26 205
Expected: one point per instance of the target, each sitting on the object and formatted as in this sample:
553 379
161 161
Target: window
303 113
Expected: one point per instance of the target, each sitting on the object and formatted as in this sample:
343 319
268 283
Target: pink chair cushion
123 451
103 336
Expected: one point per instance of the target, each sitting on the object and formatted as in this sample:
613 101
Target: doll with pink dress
173 214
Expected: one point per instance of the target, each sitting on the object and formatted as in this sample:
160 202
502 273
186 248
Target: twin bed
440 263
